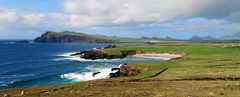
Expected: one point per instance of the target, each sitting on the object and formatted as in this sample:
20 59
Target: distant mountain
229 38
234 37
159 38
203 39
69 37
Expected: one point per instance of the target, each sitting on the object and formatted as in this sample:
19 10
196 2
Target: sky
181 19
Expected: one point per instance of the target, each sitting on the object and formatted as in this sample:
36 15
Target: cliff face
65 37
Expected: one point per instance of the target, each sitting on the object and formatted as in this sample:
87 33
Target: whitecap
66 54
1 82
86 76
16 76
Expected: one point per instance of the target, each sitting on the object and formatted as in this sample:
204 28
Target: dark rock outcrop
22 41
96 54
128 52
115 56
95 73
93 55
126 70
113 69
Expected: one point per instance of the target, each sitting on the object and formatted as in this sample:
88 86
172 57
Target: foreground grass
207 70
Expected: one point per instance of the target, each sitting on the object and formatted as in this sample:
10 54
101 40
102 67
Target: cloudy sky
26 19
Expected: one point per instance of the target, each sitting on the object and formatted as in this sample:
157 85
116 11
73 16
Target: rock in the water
112 75
22 41
97 54
76 54
113 69
93 55
95 73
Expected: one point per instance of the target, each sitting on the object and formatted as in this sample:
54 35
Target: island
77 37
22 41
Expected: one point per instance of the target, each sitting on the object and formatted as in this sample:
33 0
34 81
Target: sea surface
38 64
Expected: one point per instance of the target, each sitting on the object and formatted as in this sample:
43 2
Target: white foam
86 76
1 82
77 58
66 54
3 85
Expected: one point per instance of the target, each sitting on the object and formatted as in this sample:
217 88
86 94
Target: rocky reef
124 70
98 54
22 41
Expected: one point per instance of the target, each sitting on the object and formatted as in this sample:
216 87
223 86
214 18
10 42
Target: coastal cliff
77 37
67 36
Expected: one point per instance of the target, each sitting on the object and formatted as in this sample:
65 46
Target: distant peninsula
77 37
67 36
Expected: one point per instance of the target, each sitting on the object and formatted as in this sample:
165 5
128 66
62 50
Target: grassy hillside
207 70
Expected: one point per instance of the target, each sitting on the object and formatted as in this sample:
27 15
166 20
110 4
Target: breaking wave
86 76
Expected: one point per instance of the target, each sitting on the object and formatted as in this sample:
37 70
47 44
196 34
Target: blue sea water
37 64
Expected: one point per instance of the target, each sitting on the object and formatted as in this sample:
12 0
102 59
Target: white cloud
123 11
14 22
33 18
220 8
93 14
83 21
7 17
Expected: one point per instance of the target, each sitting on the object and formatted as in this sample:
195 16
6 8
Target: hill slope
229 38
203 39
234 37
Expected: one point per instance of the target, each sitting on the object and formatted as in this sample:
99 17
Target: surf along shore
206 70
123 69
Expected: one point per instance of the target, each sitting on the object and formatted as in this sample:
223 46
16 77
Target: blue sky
32 5
27 19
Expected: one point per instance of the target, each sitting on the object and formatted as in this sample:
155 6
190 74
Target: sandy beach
160 55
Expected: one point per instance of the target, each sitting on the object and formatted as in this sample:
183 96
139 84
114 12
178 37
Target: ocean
39 64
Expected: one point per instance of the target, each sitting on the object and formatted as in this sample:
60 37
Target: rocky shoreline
123 69
98 54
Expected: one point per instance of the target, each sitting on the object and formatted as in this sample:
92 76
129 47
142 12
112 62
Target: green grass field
207 70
